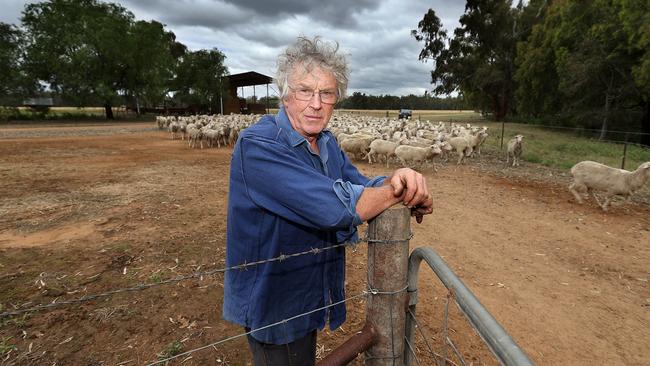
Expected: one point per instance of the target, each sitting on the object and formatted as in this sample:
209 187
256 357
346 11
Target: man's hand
411 188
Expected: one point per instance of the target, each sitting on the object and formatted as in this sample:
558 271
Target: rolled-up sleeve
376 181
349 194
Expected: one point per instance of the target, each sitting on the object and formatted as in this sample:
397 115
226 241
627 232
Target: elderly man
293 189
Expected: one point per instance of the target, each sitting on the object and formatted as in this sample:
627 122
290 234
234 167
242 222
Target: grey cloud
340 13
375 34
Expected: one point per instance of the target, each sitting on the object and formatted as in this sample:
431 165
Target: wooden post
388 249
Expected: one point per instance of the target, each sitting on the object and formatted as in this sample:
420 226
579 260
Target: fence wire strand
176 279
435 355
284 321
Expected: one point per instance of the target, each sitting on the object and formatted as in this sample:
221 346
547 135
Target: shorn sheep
590 176
410 155
515 148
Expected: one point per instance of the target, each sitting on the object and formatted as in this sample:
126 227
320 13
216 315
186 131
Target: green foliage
479 60
584 65
152 60
635 18
201 78
576 63
362 101
13 80
76 47
89 51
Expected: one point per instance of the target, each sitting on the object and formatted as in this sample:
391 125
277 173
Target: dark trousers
301 352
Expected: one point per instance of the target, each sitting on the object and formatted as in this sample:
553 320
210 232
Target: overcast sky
374 34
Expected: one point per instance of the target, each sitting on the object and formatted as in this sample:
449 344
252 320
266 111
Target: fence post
624 155
388 250
503 129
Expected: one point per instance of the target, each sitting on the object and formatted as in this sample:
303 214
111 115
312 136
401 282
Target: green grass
5 347
563 148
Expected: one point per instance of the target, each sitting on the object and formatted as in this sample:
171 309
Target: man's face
309 117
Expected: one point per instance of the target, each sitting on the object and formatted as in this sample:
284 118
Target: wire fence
446 353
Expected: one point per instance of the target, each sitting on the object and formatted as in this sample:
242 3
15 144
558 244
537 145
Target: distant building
236 104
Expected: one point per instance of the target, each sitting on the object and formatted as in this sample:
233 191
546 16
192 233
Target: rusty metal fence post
388 251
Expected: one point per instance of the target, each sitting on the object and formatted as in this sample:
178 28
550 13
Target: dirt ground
89 209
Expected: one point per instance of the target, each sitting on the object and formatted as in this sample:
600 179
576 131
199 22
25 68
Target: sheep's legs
603 206
574 188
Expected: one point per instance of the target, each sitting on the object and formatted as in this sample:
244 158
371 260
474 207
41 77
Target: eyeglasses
305 94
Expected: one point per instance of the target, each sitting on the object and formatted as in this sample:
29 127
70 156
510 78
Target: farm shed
236 104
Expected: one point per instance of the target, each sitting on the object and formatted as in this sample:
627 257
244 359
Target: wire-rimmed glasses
305 94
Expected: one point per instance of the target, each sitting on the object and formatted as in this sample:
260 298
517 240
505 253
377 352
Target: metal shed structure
237 104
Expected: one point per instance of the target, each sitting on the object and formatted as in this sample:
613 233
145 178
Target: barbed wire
370 291
176 279
363 293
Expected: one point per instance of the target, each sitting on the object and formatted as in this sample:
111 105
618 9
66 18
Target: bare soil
89 209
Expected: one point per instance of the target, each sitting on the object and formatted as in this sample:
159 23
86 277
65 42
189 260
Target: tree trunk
645 124
109 111
603 129
500 107
137 105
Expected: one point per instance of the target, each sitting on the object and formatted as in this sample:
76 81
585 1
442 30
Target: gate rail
495 336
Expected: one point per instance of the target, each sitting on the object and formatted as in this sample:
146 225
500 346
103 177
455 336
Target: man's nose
315 101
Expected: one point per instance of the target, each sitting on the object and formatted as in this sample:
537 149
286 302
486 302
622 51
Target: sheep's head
446 146
645 167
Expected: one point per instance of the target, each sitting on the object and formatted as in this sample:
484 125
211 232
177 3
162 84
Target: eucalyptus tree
152 58
478 61
589 64
77 48
201 78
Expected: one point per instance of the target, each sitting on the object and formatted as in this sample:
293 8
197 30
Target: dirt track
82 212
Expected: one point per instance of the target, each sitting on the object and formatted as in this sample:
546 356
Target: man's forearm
374 200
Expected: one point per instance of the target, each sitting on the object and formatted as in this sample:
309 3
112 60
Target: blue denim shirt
284 199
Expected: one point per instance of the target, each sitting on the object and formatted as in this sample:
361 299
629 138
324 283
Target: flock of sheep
411 143
408 142
213 129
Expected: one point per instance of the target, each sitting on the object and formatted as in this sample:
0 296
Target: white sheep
174 128
478 140
462 147
356 146
590 176
515 148
194 135
382 147
409 155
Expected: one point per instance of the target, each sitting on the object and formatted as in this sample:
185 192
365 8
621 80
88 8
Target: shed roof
248 79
